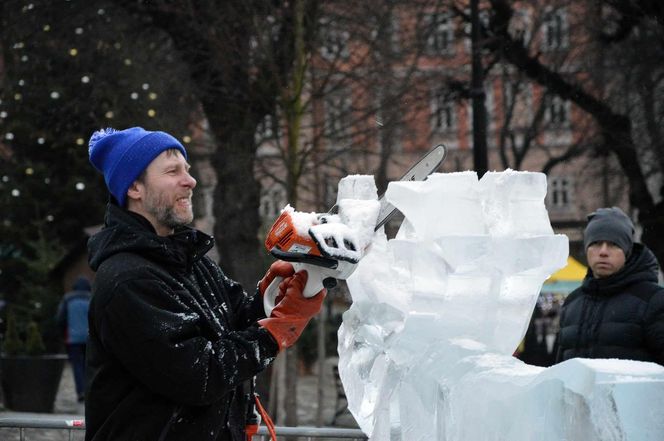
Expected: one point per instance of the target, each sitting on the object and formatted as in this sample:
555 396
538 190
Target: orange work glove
279 268
291 315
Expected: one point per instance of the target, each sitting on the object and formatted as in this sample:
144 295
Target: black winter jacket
173 341
620 316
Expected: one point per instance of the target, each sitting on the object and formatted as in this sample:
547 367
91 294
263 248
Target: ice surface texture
425 349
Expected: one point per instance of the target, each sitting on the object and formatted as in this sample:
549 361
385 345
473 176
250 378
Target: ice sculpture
425 349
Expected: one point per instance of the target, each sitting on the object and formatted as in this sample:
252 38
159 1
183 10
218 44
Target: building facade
379 98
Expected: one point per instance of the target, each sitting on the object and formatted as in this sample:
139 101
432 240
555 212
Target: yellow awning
574 271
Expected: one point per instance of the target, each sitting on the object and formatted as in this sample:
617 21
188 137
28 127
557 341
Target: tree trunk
236 199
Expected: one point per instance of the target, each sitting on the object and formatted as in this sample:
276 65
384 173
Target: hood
641 266
81 284
125 231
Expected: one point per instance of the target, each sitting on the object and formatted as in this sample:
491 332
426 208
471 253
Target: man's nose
189 181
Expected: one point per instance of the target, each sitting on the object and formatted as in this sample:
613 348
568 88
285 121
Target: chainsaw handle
314 285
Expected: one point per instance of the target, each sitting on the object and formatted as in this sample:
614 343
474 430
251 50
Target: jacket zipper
171 421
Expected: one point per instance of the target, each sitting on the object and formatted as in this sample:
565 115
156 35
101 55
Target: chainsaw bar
418 172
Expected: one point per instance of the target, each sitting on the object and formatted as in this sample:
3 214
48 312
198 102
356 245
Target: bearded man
174 343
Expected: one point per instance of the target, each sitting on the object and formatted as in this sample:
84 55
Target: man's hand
291 315
279 268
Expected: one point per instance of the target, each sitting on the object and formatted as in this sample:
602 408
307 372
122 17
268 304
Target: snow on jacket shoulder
620 316
173 341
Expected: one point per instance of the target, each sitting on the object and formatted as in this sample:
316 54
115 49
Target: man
174 343
72 318
618 312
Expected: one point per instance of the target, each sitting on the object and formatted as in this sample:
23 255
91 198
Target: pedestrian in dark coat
72 318
174 343
618 312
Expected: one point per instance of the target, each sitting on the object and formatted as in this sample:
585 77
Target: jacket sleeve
654 323
247 309
172 350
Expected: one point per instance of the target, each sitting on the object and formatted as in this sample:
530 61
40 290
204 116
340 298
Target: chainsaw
323 245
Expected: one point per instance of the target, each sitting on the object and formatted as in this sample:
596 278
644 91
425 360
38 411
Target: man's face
605 258
165 192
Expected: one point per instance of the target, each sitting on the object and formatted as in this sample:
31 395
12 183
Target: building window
439 37
468 28
561 192
338 113
335 41
265 130
555 30
443 112
518 99
272 202
389 120
386 30
557 111
520 25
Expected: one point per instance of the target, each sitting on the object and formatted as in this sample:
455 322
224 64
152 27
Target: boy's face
605 258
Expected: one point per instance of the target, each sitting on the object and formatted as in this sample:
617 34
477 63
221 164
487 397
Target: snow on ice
426 347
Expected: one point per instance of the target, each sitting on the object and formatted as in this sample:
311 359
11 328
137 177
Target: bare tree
615 123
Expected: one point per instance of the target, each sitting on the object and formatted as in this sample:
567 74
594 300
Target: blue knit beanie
122 155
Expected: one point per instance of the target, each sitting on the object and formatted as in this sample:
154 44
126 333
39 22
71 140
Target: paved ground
67 408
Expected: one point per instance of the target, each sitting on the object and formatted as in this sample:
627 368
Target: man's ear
135 191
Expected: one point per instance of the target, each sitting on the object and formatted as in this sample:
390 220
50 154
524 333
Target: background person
174 343
618 311
72 319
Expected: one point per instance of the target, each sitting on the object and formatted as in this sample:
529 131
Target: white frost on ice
426 347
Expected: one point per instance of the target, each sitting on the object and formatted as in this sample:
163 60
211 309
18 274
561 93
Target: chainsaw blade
418 172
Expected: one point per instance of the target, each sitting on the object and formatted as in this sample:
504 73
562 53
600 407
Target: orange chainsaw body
284 236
